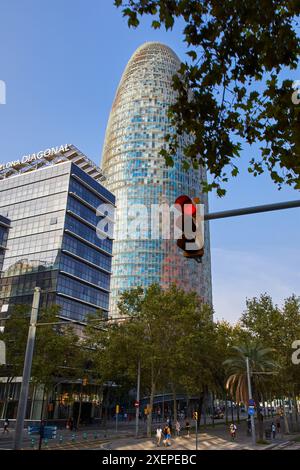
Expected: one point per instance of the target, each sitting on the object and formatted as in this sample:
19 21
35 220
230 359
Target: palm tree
261 365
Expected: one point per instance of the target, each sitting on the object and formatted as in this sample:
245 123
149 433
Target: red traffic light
187 205
192 238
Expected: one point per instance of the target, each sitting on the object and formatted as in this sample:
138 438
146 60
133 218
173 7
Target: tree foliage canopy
229 94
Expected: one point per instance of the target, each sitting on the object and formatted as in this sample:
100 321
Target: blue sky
61 61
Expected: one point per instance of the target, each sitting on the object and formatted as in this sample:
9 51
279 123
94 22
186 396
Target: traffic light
195 415
191 239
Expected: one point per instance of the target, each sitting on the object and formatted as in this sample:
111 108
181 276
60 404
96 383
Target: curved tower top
137 175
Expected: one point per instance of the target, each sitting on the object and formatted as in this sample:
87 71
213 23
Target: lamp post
27 370
137 409
250 398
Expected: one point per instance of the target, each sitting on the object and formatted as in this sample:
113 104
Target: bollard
46 441
85 436
73 437
60 439
32 443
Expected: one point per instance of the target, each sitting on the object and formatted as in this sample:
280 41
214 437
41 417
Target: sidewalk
215 439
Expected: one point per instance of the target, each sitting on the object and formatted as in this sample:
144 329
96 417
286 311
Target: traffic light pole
27 370
252 210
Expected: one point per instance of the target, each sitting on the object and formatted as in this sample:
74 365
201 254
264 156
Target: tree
229 94
168 331
55 348
261 365
15 337
56 352
277 328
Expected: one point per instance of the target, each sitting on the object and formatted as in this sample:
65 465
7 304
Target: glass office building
4 227
52 243
137 174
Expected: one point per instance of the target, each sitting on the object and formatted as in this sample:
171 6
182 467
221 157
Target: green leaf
156 24
192 54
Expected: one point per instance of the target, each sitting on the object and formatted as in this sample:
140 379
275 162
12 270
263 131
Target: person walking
159 433
273 430
177 428
5 426
232 429
168 436
249 428
187 427
278 426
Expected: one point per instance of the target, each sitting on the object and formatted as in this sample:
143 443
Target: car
218 415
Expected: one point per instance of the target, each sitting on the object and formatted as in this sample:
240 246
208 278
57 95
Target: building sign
35 156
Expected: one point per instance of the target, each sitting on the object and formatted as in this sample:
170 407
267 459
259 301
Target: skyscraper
137 174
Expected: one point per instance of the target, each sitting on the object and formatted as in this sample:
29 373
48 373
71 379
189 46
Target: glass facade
137 174
52 242
4 227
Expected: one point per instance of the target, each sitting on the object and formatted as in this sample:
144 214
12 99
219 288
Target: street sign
251 402
251 411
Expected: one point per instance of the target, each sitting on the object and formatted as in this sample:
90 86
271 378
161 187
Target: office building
51 199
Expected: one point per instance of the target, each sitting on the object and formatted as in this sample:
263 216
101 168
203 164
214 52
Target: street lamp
250 398
27 370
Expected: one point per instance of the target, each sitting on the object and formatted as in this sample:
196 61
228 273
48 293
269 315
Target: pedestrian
159 433
5 426
273 430
168 436
278 426
165 433
232 429
177 427
249 428
71 424
187 427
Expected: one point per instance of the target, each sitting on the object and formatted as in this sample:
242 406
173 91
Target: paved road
217 438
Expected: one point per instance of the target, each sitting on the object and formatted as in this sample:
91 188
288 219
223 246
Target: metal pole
196 434
252 210
22 405
137 409
250 398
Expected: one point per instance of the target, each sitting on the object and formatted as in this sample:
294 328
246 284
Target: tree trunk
238 412
260 422
213 409
296 411
79 409
149 415
260 417
286 422
174 403
226 409
232 416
